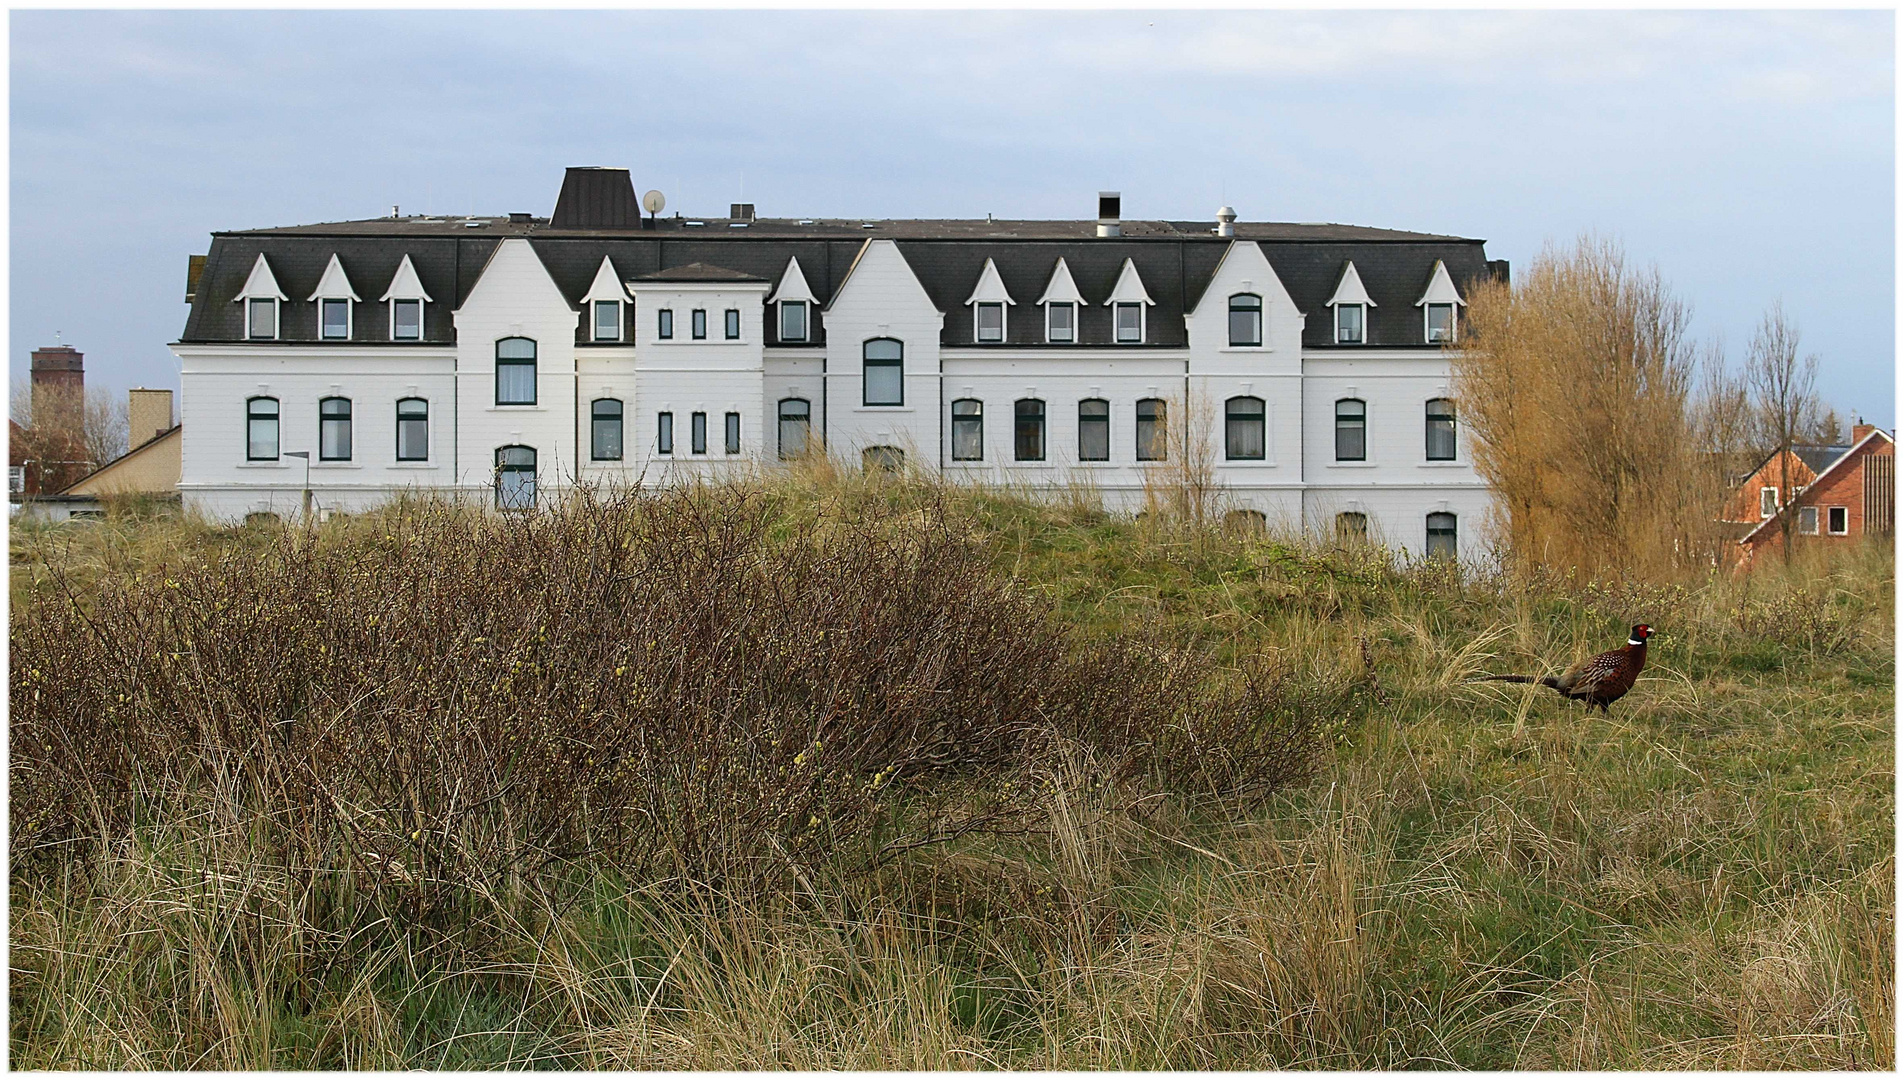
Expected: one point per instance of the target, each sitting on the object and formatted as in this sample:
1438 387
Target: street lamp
306 455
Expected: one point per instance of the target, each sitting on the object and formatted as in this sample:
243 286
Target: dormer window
989 320
335 319
1246 319
1351 303
1061 322
607 320
1440 323
406 299
1439 303
334 297
261 297
261 320
1127 302
1130 324
1348 324
793 320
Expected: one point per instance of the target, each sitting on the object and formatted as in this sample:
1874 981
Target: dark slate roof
1819 458
698 271
598 195
1175 259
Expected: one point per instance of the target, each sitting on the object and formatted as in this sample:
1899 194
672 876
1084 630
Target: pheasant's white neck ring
1634 641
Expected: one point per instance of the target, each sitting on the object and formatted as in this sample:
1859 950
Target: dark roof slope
698 271
1819 458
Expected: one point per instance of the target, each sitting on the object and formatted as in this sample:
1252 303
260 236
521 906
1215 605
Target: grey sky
1749 155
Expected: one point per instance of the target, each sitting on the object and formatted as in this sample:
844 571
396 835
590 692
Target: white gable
1129 287
606 286
990 288
883 278
1062 289
406 285
515 278
335 284
262 284
793 285
1244 268
1349 290
1441 288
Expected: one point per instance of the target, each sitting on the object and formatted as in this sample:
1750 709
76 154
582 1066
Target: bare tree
1784 391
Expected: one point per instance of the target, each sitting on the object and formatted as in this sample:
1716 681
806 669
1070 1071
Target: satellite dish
654 202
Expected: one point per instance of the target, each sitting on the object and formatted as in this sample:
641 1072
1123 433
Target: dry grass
1480 876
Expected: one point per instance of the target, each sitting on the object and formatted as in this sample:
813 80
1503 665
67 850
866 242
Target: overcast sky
1749 155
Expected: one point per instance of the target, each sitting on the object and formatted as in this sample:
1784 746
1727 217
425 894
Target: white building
510 358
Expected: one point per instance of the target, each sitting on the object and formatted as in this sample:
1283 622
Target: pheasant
1602 680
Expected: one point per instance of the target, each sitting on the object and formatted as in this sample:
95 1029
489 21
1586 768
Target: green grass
1479 876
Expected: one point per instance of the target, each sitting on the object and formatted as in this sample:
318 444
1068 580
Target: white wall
882 298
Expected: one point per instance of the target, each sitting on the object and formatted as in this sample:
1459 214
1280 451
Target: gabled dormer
1351 305
1129 303
988 302
796 305
262 299
1061 301
405 298
334 298
1440 304
602 305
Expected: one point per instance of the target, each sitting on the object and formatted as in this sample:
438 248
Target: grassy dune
1323 846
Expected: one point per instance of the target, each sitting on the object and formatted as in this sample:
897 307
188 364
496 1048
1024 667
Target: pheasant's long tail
1542 680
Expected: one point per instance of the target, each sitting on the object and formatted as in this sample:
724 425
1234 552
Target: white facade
1287 466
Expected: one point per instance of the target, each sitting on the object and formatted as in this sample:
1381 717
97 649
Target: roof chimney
596 198
1226 221
1859 431
1110 211
148 414
741 211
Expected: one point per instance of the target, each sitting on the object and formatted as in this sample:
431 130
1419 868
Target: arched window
1153 436
515 371
1351 430
1351 527
1441 535
796 424
333 429
1028 430
515 477
1440 430
605 429
882 459
1246 319
413 430
261 429
1094 430
968 430
1243 429
884 382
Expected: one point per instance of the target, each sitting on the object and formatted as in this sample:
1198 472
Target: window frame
505 468
697 433
1159 448
805 420
788 306
1361 324
596 419
730 433
1808 512
1246 309
1101 420
1117 326
1360 426
664 432
323 325
251 318
396 323
1071 332
615 334
730 324
1430 419
1768 503
972 424
883 457
1837 521
253 417
697 324
1452 532
1428 323
324 422
979 309
1351 527
664 324
529 362
1234 421
868 362
1024 421
424 419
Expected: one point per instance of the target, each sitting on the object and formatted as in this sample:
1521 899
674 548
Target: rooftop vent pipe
1226 221
1110 211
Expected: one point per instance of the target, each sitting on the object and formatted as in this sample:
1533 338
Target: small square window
1838 520
336 319
991 322
1061 322
1808 520
263 321
1130 324
407 320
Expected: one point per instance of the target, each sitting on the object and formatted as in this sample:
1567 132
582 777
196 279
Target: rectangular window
664 433
261 429
1028 432
607 320
333 436
991 322
733 433
664 324
1094 430
1838 520
968 430
1152 442
1441 536
793 320
796 420
1061 322
697 325
16 478
1440 323
1441 430
1808 520
1348 324
1130 324
605 429
884 373
1243 429
1246 319
263 319
1768 501
407 320
731 324
1351 430
413 430
697 433
336 319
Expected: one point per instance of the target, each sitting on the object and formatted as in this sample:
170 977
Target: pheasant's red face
1642 632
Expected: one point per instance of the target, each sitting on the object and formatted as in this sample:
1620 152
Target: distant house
151 467
1838 492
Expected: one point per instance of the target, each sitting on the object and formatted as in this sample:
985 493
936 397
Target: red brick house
1839 492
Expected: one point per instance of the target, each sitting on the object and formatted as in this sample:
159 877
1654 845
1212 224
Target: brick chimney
1859 431
59 389
149 412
